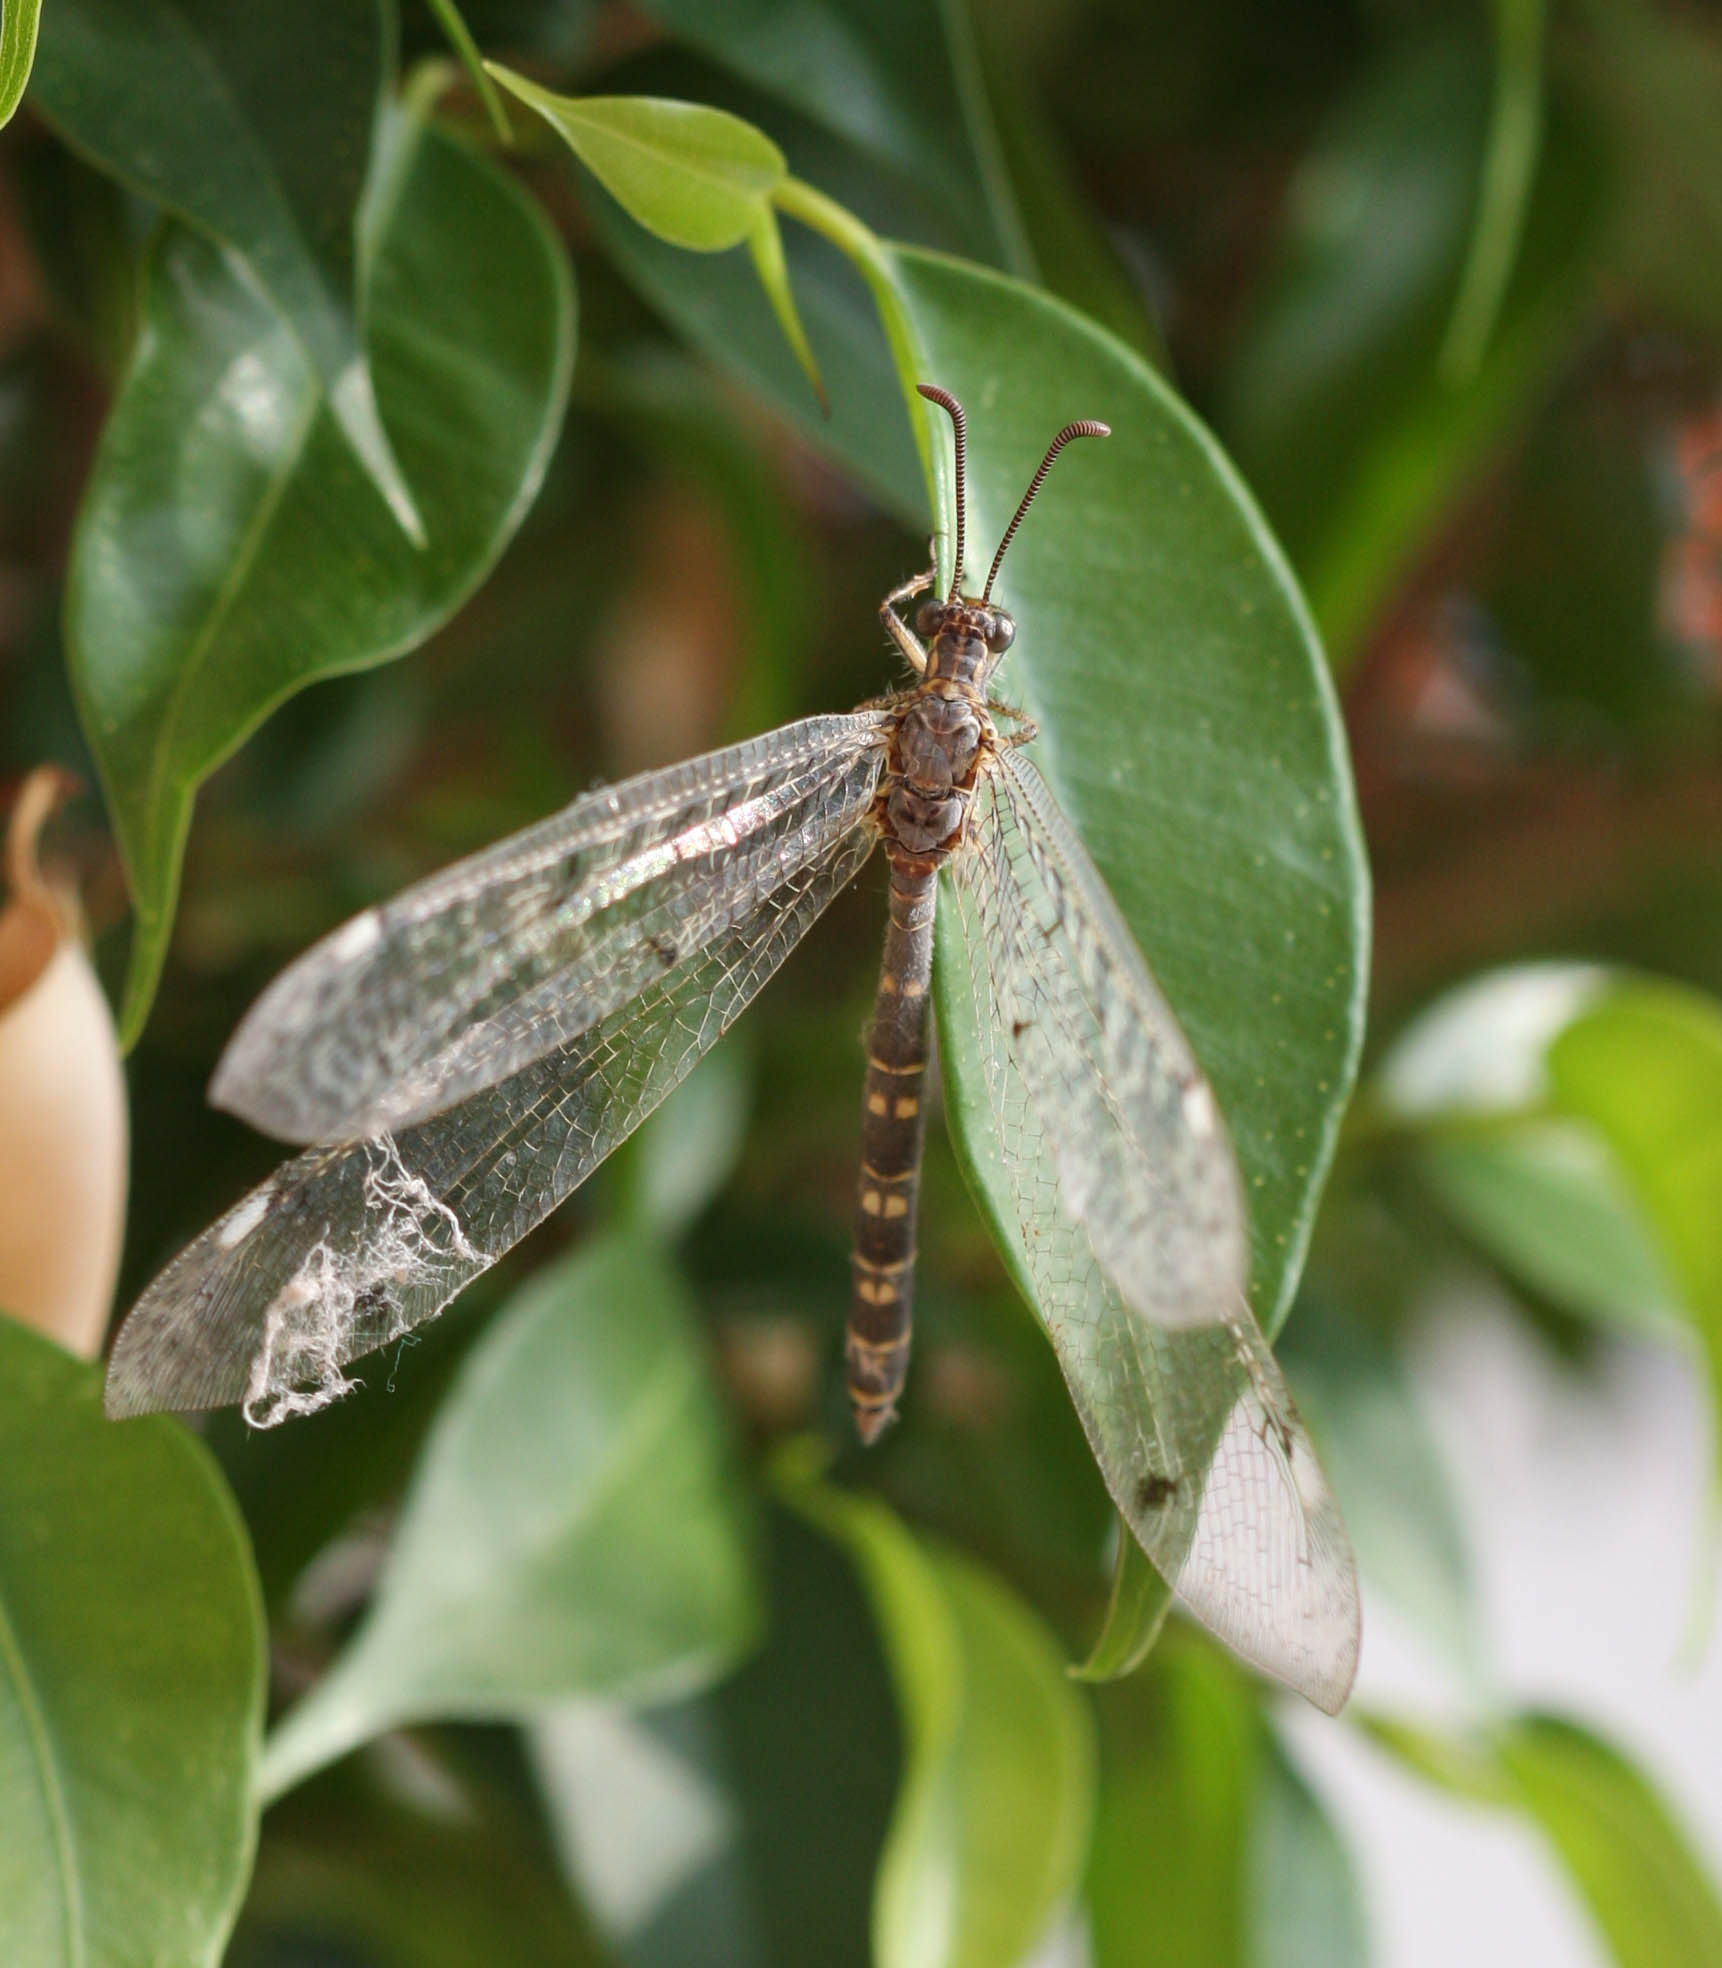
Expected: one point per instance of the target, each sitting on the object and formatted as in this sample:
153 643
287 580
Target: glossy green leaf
1135 1614
1335 407
696 177
1643 1065
1182 1750
1187 727
898 79
991 1824
1304 1903
255 125
1630 1861
1509 165
228 551
131 1678
685 1151
17 52
1460 1765
572 1528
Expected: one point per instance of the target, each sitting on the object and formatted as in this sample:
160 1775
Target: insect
463 1056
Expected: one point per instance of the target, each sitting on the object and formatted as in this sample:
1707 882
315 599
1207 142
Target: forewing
464 979
1133 1236
347 1247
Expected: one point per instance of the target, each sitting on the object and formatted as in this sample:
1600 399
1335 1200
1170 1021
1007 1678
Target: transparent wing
464 979
1118 1170
347 1247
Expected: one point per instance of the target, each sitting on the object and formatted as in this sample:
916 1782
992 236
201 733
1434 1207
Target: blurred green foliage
1444 280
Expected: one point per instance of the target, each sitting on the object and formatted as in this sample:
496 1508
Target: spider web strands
464 979
349 1246
1132 1239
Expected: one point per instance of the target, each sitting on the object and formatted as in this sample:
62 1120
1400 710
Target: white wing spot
239 1223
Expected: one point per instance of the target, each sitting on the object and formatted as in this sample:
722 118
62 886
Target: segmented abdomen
891 1125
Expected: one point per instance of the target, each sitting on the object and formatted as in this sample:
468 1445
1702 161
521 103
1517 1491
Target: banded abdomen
882 1296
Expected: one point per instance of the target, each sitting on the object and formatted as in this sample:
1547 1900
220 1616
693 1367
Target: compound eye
928 617
1002 634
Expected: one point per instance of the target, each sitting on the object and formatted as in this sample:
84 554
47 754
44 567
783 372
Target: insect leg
877 1349
897 629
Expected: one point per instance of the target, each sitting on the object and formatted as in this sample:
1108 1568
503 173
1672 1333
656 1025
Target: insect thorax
943 737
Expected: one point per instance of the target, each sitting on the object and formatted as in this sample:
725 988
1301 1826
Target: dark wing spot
1154 1491
1018 1026
664 949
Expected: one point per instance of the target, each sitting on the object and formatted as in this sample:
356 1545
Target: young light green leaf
17 52
228 553
572 1528
255 125
991 1823
1630 1861
899 79
131 1678
1627 1858
1135 1614
696 177
1643 1065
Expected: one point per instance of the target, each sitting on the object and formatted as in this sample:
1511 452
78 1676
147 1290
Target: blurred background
1446 279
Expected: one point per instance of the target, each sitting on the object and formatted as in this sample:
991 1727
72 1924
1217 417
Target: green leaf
131 1678
255 125
1653 77
698 178
765 243
572 1527
1388 1475
1135 1614
228 552
352 1870
1628 1859
1547 1200
1509 165
1643 1065
17 51
460 39
1182 1750
687 1149
991 1824
1336 407
1303 1905
1634 1867
898 79
719 306
1187 727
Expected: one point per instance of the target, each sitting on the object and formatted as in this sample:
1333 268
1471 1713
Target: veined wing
1133 1235
466 978
347 1247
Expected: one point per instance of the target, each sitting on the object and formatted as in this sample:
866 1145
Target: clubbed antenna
1087 428
954 410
